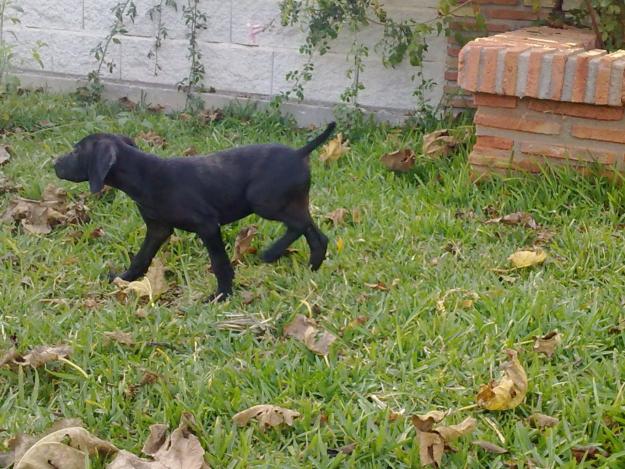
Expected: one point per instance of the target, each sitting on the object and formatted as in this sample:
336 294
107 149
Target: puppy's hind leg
211 237
157 234
318 243
278 249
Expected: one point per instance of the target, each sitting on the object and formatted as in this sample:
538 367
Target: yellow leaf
523 259
339 245
400 161
511 389
439 143
334 149
433 441
151 286
306 330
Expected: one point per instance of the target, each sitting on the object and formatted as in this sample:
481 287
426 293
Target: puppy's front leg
211 237
157 234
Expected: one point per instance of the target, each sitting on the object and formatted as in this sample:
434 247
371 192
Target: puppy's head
91 160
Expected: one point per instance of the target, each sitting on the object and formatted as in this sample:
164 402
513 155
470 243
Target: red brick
604 75
488 69
495 100
457 102
499 143
453 51
469 67
533 71
605 134
588 111
527 14
511 65
492 158
517 122
581 74
582 154
451 75
558 66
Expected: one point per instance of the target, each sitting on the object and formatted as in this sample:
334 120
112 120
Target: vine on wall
323 21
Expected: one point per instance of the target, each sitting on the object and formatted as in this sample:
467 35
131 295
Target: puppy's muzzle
67 167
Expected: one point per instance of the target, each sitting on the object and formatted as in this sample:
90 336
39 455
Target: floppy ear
100 163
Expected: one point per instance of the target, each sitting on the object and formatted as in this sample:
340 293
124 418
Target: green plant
196 21
10 13
121 11
156 14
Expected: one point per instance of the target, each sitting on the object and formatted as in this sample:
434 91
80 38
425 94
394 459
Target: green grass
407 353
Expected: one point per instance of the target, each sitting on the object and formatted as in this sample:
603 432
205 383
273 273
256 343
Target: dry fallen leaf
490 447
243 322
5 154
347 449
267 415
337 216
36 357
126 103
334 149
180 450
517 218
439 143
243 243
585 453
151 286
68 448
122 338
509 391
210 116
6 185
147 378
547 343
401 161
523 259
40 216
542 421
433 441
306 330
156 108
152 138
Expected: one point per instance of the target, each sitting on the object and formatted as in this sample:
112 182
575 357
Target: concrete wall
237 63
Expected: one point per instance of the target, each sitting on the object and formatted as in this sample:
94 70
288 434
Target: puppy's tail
318 140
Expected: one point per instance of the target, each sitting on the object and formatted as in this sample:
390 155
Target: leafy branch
156 14
196 21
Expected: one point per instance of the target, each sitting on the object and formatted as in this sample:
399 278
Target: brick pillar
500 16
545 96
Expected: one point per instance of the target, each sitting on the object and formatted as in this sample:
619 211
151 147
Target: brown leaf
306 330
97 233
347 449
39 217
523 259
584 453
152 138
337 216
267 415
183 116
68 448
180 450
210 116
490 447
243 243
620 327
6 185
400 161
439 144
156 108
152 286
5 154
147 378
516 218
544 237
433 441
36 357
509 391
542 421
122 338
126 103
334 149
190 151
548 343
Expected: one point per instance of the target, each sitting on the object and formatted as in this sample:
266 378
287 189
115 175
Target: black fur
199 194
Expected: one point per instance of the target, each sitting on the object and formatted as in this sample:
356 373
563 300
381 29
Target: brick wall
238 63
545 96
499 16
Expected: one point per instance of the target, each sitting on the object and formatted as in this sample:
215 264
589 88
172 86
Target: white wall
236 65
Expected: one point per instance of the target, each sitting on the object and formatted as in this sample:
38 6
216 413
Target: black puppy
199 194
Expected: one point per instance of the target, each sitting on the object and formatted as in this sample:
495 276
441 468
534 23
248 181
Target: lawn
420 235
